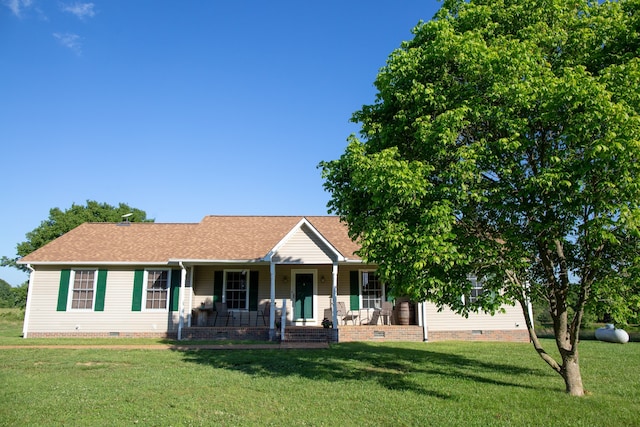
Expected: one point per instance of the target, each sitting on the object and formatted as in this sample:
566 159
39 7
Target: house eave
216 261
124 263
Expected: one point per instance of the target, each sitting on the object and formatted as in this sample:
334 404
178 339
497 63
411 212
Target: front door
304 296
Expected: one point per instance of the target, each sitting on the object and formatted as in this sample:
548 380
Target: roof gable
304 244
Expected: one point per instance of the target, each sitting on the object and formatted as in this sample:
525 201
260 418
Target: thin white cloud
17 6
81 10
70 40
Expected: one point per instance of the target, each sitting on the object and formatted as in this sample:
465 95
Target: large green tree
60 222
504 143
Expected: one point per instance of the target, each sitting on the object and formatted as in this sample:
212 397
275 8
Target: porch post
272 308
183 279
189 317
425 330
334 294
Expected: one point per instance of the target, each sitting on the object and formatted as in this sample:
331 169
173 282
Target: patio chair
386 312
346 315
264 312
375 318
221 311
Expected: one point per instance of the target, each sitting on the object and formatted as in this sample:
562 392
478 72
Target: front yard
446 383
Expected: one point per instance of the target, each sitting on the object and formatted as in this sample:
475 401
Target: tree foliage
60 222
504 143
13 297
6 295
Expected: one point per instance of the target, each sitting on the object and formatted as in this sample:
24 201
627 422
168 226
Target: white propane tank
611 334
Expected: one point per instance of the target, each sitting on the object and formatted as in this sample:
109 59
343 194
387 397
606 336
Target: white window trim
144 290
475 284
224 287
72 279
361 284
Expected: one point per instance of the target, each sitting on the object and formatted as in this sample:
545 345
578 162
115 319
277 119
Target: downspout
529 305
183 279
27 309
425 332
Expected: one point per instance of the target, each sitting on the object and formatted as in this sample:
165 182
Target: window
83 289
236 290
157 290
476 289
372 290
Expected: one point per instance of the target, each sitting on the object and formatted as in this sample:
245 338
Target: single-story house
260 277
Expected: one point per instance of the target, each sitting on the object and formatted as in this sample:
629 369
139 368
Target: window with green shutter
101 290
253 291
174 299
138 284
218 286
82 290
63 290
354 291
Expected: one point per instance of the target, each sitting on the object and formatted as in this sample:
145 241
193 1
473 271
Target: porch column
183 280
423 319
272 306
189 316
334 294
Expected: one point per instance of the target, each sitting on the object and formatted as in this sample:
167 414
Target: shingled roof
215 238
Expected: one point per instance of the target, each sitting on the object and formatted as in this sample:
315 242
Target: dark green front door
304 296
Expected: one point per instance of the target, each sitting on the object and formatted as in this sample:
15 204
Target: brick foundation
380 333
223 333
309 334
169 335
509 335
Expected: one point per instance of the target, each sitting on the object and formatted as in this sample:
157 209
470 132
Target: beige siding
447 320
304 247
116 317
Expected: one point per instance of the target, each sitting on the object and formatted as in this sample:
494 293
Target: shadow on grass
394 368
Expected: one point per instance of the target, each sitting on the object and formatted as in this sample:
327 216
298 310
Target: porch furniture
203 313
346 315
264 312
222 311
247 321
386 312
375 318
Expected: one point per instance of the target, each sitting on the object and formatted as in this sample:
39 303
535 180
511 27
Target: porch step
309 334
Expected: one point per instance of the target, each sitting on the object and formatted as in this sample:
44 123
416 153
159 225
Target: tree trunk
570 369
571 375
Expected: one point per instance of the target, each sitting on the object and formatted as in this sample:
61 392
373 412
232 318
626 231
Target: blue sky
183 108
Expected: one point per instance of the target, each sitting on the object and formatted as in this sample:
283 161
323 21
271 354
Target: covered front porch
303 303
303 281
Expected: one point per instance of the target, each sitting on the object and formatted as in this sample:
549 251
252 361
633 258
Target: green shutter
63 291
136 302
101 289
253 291
218 280
174 300
354 290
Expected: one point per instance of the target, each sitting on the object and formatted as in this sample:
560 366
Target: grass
389 384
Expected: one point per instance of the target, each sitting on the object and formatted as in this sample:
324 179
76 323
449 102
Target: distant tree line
13 297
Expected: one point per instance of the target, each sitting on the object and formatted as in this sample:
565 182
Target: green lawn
351 384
